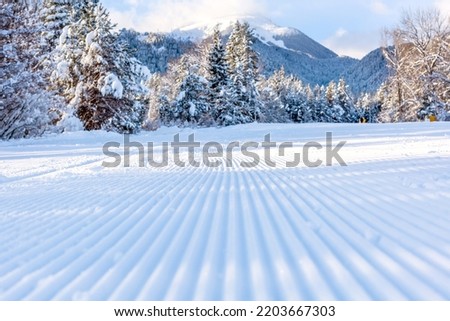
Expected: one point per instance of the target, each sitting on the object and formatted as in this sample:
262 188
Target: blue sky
349 27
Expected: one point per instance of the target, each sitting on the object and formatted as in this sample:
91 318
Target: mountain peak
265 30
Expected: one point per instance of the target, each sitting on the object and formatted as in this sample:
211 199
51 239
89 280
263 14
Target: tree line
63 67
221 84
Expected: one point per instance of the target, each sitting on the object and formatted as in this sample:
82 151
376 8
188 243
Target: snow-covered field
378 228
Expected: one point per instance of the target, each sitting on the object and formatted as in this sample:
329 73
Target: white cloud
126 19
165 15
379 7
133 2
444 6
340 33
351 44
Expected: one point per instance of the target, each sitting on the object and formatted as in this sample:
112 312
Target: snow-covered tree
26 107
191 103
344 100
218 78
153 119
333 112
55 15
418 51
318 112
294 99
243 70
100 80
272 94
249 64
309 105
368 107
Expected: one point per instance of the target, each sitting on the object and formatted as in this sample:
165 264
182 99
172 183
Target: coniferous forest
65 66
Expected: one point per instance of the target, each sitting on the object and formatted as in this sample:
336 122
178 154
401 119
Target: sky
348 27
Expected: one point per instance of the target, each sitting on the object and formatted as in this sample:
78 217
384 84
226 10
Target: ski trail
189 270
374 230
390 265
344 245
153 244
210 284
260 258
286 253
137 240
170 273
236 266
330 267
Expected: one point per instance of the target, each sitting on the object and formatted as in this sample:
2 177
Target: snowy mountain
276 46
300 55
369 73
265 31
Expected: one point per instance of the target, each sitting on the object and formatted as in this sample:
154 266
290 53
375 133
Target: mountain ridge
277 47
265 30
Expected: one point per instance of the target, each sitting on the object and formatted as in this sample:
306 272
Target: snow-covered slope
376 229
264 29
369 73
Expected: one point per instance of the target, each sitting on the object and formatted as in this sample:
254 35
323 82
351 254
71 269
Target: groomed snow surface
377 229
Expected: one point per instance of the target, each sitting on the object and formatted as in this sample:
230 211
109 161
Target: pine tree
309 105
344 100
291 97
235 112
368 108
248 63
217 76
100 80
319 105
232 47
242 63
161 97
191 105
333 111
55 15
272 95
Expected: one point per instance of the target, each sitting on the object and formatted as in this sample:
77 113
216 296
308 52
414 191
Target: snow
70 122
90 38
112 86
78 94
181 95
64 34
192 109
376 229
62 70
264 29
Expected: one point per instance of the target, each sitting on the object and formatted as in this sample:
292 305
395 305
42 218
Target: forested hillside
64 66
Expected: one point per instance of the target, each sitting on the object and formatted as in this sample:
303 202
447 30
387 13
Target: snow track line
342 226
323 251
408 245
53 171
265 256
294 250
153 244
174 263
189 268
337 234
210 282
135 228
75 237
